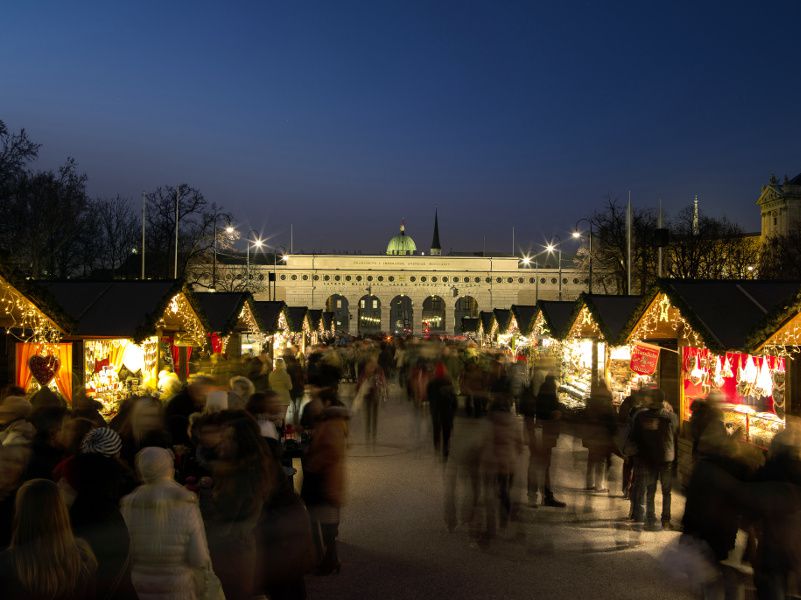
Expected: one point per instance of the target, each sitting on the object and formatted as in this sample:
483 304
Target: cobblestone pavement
395 545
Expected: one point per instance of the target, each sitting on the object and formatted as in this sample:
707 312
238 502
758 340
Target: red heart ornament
44 368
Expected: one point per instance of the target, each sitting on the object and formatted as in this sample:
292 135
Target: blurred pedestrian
543 434
240 391
169 554
442 404
600 424
281 383
45 559
371 388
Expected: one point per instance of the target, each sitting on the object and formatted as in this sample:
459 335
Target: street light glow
576 235
550 247
229 230
258 243
527 260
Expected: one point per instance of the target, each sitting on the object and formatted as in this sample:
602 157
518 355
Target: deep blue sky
345 117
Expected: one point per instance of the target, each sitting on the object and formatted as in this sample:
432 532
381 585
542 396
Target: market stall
30 331
129 337
299 327
549 324
487 327
271 316
234 330
329 325
713 326
471 327
594 348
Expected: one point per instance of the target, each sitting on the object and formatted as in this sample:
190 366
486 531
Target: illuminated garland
662 313
787 341
582 320
180 308
28 323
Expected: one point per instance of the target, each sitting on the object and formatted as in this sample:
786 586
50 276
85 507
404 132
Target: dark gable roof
795 180
295 316
128 309
611 313
503 317
486 317
328 320
557 315
726 313
267 313
315 317
524 315
470 324
222 309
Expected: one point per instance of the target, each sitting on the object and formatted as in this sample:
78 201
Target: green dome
401 244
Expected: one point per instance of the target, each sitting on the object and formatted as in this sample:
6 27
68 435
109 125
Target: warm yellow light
527 260
550 248
576 235
258 243
229 230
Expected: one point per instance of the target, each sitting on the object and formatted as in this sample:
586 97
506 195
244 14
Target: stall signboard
644 358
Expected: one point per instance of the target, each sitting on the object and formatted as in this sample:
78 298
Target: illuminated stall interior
32 355
712 324
234 329
297 318
329 325
129 337
471 327
593 349
505 328
320 328
523 321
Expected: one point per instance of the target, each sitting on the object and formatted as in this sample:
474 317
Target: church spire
436 248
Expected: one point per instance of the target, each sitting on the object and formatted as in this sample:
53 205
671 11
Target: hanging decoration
660 316
644 358
23 320
44 368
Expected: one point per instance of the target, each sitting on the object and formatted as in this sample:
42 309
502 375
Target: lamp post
577 236
257 243
556 247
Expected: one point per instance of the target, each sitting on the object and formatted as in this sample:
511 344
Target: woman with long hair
245 476
45 560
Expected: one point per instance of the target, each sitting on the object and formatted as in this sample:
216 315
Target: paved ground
394 543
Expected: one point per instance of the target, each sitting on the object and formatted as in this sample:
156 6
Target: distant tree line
51 228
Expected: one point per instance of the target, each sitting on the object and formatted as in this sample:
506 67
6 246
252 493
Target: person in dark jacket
190 400
541 420
630 405
46 450
706 418
654 432
600 424
442 404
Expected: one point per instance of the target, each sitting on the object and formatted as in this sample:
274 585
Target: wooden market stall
487 327
129 337
721 336
297 318
271 316
234 329
549 324
471 327
329 325
594 347
32 354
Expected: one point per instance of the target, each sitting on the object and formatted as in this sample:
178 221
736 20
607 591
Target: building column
450 316
417 318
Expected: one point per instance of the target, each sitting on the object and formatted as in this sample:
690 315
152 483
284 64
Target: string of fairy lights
25 322
661 314
190 324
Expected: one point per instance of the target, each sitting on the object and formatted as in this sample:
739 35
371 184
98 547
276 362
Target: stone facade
362 289
780 204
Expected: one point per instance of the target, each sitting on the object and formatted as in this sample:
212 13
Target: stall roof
503 317
295 315
222 309
470 324
727 314
14 288
267 314
328 320
122 308
524 315
557 315
315 318
612 314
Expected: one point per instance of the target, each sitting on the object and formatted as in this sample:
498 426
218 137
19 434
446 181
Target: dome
401 244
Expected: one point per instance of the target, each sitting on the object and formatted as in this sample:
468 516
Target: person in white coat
169 554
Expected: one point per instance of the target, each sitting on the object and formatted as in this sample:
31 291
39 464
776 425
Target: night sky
343 118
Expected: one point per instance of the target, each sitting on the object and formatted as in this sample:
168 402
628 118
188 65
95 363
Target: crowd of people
193 495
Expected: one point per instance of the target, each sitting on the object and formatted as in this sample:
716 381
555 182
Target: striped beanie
102 440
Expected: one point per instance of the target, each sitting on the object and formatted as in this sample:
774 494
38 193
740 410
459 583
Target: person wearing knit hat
216 401
155 464
103 441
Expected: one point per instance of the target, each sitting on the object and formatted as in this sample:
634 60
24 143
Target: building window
444 280
488 280
283 277
327 277
316 278
261 277
455 280
519 280
375 303
339 303
554 280
575 280
361 303
294 278
369 278
423 279
337 277
347 277
434 280
498 280
542 279
305 277
391 278
531 280
564 280
508 280
412 278
380 278
358 277
478 280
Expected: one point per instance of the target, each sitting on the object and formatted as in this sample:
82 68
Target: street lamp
257 243
577 236
229 231
552 248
